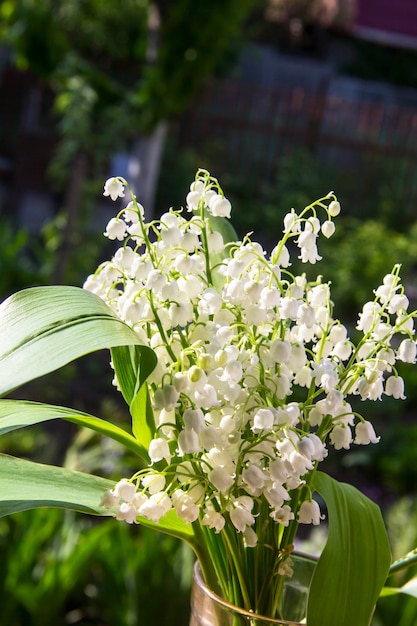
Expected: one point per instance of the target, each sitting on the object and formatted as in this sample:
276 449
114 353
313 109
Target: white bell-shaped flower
309 513
116 229
158 450
240 513
284 515
125 490
221 479
365 434
263 419
213 519
407 351
394 386
341 437
113 188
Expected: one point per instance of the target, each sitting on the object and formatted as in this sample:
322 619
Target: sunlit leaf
26 485
171 524
389 591
16 414
142 417
132 369
44 328
132 366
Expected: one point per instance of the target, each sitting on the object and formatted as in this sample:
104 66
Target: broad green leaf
355 562
44 328
143 423
26 485
171 524
132 367
16 414
132 370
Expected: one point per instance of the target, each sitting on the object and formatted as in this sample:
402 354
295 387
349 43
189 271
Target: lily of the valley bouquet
238 379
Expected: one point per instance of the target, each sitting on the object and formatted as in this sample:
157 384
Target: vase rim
243 612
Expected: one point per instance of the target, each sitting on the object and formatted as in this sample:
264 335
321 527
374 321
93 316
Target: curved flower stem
407 561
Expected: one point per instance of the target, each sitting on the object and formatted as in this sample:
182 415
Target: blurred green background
281 107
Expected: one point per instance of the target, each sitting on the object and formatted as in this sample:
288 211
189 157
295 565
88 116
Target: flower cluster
254 374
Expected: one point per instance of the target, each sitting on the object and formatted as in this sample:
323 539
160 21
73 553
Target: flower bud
195 374
328 228
334 208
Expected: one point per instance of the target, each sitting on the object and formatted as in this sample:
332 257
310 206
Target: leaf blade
355 561
143 423
15 414
44 328
27 485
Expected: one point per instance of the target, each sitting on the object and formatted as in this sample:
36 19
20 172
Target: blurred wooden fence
251 127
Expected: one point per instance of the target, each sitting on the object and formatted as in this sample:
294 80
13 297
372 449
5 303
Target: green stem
236 563
161 329
204 557
205 248
404 563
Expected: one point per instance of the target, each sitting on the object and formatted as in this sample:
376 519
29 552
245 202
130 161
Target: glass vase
208 609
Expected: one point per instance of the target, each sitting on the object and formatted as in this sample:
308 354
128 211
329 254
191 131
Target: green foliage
117 68
399 609
394 460
366 249
372 233
43 33
351 577
197 40
66 323
23 261
69 569
26 485
16 414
